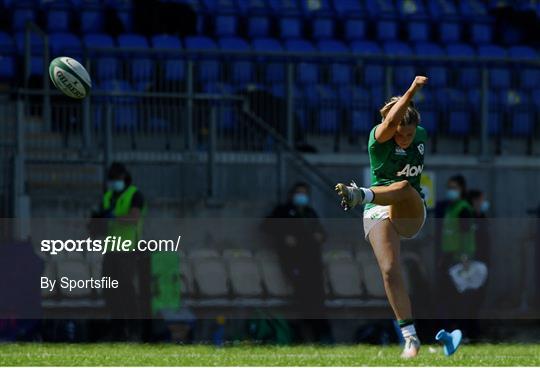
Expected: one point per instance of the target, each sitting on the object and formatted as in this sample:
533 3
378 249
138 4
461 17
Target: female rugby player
394 205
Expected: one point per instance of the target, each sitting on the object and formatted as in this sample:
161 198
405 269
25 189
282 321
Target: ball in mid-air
70 77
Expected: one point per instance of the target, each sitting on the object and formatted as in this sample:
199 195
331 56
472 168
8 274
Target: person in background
123 207
456 248
456 231
298 244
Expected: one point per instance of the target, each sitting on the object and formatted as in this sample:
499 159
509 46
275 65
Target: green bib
122 206
454 240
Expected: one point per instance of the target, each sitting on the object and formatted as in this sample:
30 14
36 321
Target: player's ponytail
412 116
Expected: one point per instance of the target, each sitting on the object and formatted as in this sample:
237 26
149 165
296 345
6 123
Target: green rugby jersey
391 163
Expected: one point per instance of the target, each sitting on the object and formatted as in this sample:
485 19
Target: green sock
405 322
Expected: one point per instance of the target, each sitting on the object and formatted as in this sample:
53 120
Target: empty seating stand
229 30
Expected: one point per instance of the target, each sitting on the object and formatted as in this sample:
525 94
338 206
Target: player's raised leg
407 207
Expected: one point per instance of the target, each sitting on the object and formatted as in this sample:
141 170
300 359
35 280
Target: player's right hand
419 81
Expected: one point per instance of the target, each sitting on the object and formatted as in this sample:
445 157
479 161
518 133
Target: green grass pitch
35 354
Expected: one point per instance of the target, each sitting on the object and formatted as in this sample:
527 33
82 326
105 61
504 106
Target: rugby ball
70 77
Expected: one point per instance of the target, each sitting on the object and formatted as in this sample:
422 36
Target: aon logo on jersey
409 170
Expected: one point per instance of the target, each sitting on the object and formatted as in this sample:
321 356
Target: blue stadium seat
499 77
468 76
306 73
378 95
251 7
166 41
418 30
58 15
426 102
173 67
285 7
65 44
472 9
91 18
404 72
241 68
278 90
274 70
355 29
387 29
22 12
340 73
328 115
142 66
521 114
349 8
442 9
225 111
323 28
357 103
103 67
7 57
36 50
258 26
373 72
208 67
36 43
380 8
226 25
437 72
495 111
352 14
459 122
290 27
449 31
125 114
6 43
529 77
456 107
481 33
322 16
223 13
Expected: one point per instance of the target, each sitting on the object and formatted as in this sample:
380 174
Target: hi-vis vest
454 240
121 208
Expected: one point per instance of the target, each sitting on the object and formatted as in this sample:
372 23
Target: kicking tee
390 163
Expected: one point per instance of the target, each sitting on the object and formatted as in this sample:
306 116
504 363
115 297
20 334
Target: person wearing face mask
298 244
123 206
458 235
455 241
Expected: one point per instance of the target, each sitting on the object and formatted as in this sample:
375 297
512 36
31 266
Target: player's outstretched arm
387 129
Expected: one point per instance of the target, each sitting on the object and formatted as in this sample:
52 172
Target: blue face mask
452 194
300 199
116 185
484 207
